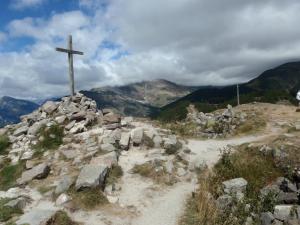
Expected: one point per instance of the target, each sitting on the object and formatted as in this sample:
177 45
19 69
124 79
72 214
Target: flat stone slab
36 217
107 160
38 172
91 176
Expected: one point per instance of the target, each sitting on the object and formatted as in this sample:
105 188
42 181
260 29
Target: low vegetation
88 199
44 189
184 130
6 213
258 169
4 144
9 174
50 138
61 218
115 173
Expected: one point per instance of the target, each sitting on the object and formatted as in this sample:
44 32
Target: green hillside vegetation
281 83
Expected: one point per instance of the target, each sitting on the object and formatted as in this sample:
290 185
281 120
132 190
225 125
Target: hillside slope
138 99
11 109
280 83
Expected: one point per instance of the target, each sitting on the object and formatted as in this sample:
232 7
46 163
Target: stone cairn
213 125
92 143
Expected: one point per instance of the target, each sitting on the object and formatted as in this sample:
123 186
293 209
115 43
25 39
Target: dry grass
88 199
200 209
61 218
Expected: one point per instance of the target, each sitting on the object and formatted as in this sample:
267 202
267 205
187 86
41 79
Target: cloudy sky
193 42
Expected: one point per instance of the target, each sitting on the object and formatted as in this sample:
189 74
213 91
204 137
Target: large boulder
38 172
91 176
34 129
111 118
237 185
266 218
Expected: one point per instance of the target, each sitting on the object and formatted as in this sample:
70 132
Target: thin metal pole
238 94
71 69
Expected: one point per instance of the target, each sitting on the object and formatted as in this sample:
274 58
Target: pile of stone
215 124
92 144
283 192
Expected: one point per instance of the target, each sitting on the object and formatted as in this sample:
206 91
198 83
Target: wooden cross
70 52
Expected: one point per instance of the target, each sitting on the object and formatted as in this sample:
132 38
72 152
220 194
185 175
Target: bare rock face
38 172
91 176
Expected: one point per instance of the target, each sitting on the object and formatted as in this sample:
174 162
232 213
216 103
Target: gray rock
20 131
69 154
79 116
63 185
157 140
34 129
36 217
124 141
137 136
60 119
38 172
297 125
169 166
18 203
283 212
288 198
107 160
49 107
91 176
286 185
111 118
62 199
224 201
266 218
107 147
235 185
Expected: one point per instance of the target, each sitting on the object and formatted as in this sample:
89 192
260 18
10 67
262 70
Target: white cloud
195 42
23 4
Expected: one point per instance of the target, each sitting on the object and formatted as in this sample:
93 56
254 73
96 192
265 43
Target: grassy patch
182 129
61 218
258 169
115 173
4 144
251 125
150 171
89 198
44 189
9 174
7 213
51 138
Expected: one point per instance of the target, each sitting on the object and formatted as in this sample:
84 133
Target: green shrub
9 174
4 144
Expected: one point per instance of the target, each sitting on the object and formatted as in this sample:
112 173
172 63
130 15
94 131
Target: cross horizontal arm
69 51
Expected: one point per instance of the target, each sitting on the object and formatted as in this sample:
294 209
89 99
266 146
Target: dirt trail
155 205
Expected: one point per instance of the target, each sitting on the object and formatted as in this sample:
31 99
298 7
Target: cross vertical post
238 94
71 68
70 52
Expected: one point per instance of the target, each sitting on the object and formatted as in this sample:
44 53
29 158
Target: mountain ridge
273 85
